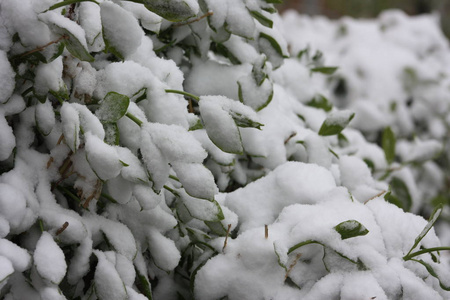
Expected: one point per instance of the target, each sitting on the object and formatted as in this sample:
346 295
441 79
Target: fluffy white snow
6 77
49 259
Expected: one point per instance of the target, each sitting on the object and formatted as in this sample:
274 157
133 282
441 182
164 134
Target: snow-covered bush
394 74
171 150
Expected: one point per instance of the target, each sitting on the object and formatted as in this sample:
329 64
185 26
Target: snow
54 217
19 257
276 174
85 81
7 137
70 126
24 20
261 201
108 284
175 143
124 36
12 205
6 78
6 269
116 233
148 19
163 250
213 78
103 159
79 264
55 19
45 117
90 21
238 19
49 259
197 180
356 176
219 124
418 151
48 77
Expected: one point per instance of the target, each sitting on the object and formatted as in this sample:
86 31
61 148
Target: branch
226 238
64 37
209 13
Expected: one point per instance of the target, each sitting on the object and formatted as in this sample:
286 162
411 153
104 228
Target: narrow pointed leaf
433 218
336 122
388 144
325 70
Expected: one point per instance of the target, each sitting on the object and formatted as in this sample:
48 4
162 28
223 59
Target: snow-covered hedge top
170 149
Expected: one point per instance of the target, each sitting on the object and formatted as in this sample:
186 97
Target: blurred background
369 8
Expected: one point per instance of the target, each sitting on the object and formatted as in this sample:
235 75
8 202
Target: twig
95 194
64 37
292 265
61 138
50 161
191 108
209 13
377 195
290 137
63 227
226 238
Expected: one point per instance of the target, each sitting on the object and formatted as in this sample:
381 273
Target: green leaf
270 9
273 42
216 227
143 285
139 95
303 52
335 123
171 10
186 94
58 52
74 46
274 1
112 135
62 95
325 70
262 19
245 122
399 194
113 107
370 164
351 228
433 273
196 126
258 70
110 48
388 144
222 50
296 246
319 101
68 2
433 218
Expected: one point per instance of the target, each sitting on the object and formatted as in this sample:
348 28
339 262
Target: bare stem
226 238
64 37
297 257
63 227
290 137
377 195
209 13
